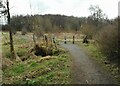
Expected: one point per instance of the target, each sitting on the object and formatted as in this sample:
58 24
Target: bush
42 50
21 52
24 31
88 30
107 40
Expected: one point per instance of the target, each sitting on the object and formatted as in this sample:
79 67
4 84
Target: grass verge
95 54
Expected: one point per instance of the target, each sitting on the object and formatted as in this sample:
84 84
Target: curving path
84 69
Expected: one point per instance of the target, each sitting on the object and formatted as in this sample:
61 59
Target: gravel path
84 69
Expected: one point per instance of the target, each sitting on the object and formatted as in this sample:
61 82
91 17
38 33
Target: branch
3 12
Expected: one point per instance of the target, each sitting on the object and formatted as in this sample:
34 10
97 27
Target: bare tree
10 31
96 14
5 11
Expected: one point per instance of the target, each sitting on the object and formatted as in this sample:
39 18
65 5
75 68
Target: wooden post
10 32
34 39
65 40
85 40
54 42
73 39
46 40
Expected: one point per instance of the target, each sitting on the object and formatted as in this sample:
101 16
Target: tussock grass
54 69
51 70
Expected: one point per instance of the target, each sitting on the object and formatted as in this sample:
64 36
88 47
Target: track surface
84 69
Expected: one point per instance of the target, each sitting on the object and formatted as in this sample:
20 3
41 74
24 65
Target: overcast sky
67 7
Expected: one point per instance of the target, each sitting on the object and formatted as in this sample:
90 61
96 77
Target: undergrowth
49 69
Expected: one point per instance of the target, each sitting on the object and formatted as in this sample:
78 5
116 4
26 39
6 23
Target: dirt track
84 69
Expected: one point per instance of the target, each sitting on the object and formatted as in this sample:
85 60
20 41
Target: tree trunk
10 33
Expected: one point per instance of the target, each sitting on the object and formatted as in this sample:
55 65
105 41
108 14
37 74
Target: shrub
42 50
107 40
24 31
88 30
21 52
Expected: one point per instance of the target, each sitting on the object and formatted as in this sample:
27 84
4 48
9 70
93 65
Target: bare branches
3 9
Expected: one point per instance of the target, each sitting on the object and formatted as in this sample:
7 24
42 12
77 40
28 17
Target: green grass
21 52
6 51
14 70
58 72
18 69
17 42
55 70
33 64
20 40
95 52
51 71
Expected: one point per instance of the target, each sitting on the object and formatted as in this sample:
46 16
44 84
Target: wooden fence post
65 40
46 40
73 39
